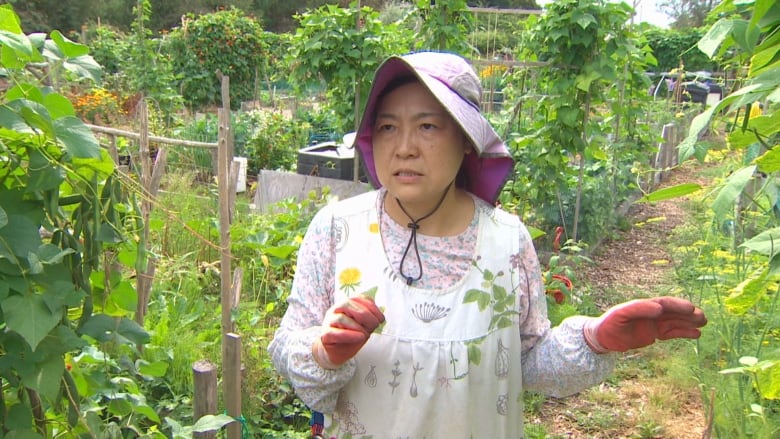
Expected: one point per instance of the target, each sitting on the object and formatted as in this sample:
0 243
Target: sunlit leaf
58 105
731 190
211 423
667 193
766 243
68 47
9 21
748 293
156 369
714 37
768 380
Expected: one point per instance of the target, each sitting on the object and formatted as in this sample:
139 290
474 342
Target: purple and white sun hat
456 86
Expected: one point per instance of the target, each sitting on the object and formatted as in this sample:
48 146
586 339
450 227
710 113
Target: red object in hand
640 323
346 329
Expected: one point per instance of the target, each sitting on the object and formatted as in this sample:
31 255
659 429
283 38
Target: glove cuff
589 331
320 355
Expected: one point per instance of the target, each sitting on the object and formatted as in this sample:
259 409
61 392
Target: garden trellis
149 179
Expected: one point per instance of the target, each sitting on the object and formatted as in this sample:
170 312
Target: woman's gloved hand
346 328
639 323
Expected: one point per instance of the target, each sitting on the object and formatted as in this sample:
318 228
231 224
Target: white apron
446 364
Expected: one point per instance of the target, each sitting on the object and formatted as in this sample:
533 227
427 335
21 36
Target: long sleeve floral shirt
554 361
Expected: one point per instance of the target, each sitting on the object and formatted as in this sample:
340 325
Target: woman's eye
427 126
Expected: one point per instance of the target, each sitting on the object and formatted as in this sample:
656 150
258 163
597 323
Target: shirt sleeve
556 361
310 298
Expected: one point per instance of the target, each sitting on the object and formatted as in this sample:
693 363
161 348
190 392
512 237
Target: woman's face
418 147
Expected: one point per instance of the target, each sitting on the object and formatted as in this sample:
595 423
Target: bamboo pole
205 394
232 383
156 139
142 266
223 165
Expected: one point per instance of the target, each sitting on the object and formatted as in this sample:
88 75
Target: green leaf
19 237
147 411
120 407
63 339
24 91
19 418
85 67
68 47
157 369
667 193
16 41
51 254
12 120
29 316
77 137
103 328
58 105
768 380
9 21
748 293
123 299
46 377
764 126
281 251
766 243
714 37
42 174
731 190
211 423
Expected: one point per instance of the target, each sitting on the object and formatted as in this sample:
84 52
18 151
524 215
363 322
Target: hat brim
486 171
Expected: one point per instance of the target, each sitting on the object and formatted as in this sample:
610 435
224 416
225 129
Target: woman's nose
406 145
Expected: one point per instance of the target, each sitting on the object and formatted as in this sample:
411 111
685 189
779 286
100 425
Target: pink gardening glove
639 323
346 328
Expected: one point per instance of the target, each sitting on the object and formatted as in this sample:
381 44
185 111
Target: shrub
226 41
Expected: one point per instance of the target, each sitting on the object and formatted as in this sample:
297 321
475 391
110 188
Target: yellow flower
373 228
349 278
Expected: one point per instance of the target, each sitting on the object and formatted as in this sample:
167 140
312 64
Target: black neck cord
414 225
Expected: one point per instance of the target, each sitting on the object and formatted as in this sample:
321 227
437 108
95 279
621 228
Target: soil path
635 263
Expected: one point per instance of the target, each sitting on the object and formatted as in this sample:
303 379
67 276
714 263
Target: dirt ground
636 260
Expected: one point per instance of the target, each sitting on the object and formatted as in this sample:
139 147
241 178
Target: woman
418 310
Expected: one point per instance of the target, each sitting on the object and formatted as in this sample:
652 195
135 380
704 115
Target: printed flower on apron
349 279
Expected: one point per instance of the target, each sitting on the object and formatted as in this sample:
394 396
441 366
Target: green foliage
108 46
586 135
675 48
445 26
226 41
62 213
269 139
744 212
146 70
329 49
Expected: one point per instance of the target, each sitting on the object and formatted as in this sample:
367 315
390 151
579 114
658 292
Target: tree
687 13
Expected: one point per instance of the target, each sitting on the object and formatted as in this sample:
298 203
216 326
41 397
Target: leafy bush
674 47
226 41
327 49
268 139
